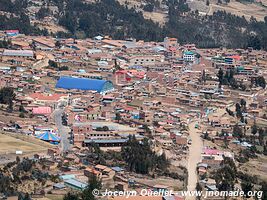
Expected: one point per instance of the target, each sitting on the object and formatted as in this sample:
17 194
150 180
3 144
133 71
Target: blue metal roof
81 83
47 136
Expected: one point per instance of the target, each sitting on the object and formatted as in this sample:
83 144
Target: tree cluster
104 128
109 17
141 159
227 78
87 193
7 96
225 177
258 81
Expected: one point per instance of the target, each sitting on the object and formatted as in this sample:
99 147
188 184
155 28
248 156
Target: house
42 110
189 56
89 172
121 186
106 171
75 184
181 140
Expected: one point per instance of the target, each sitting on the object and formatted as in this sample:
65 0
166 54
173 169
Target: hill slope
80 19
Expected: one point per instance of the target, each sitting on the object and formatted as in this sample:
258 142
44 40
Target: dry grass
9 144
54 197
158 17
240 9
256 167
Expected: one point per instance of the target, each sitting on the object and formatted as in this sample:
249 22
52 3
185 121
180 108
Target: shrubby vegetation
7 96
15 173
225 177
141 159
227 78
86 194
108 17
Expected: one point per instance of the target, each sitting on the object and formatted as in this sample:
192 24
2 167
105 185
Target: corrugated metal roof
47 136
76 183
81 83
42 110
106 141
23 53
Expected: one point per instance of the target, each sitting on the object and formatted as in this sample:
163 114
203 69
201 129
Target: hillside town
130 115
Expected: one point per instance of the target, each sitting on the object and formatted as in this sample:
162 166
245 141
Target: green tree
246 187
7 96
118 117
21 115
27 197
238 110
264 189
58 44
220 76
254 129
225 177
94 183
71 196
42 13
140 158
261 136
22 109
105 128
243 104
53 64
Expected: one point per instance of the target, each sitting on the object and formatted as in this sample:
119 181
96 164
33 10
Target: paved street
63 130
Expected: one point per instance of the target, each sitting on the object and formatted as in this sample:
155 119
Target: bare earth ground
52 197
27 144
257 167
240 9
194 157
159 17
10 145
176 184
255 9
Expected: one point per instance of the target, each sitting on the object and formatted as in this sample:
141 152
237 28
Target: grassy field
27 144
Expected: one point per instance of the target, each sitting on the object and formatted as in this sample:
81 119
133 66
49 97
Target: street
194 157
63 130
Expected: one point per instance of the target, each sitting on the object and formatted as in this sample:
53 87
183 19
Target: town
125 115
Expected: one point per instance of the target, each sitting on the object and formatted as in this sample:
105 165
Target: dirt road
194 157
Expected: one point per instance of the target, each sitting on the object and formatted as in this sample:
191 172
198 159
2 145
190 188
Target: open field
10 144
234 7
52 197
256 167
240 9
158 17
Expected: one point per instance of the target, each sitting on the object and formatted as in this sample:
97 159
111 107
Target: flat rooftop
111 125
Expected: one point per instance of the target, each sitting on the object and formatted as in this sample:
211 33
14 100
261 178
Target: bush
21 115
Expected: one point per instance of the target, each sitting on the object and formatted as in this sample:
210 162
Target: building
170 42
75 184
100 86
189 56
105 143
18 53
